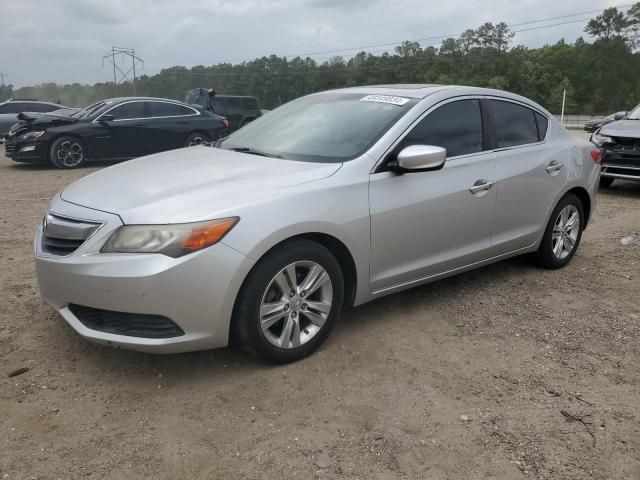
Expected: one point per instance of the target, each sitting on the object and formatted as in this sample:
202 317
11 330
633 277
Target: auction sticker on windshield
385 99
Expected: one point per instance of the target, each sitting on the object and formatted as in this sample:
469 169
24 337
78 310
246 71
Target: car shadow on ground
355 322
48 166
622 188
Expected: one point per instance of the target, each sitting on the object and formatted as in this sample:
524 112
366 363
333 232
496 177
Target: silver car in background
336 198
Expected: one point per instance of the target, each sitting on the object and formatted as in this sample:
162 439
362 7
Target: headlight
31 135
171 240
599 140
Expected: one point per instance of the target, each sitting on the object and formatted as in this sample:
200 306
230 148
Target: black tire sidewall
53 158
245 328
546 257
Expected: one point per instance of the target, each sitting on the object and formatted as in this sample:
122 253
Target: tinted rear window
514 124
15 107
163 109
250 103
542 123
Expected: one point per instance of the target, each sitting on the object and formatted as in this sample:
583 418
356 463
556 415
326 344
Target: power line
110 57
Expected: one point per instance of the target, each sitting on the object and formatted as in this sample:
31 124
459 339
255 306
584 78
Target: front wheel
563 233
289 303
67 152
197 138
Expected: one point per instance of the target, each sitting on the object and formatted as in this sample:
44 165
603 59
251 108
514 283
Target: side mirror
619 115
106 118
420 158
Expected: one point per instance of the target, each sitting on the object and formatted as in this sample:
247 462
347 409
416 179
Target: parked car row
619 142
112 129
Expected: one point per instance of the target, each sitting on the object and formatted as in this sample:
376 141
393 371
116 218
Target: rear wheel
563 233
196 138
605 182
289 303
67 152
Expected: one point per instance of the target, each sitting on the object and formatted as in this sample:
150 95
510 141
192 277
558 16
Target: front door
427 223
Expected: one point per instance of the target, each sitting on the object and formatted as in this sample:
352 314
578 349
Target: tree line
599 77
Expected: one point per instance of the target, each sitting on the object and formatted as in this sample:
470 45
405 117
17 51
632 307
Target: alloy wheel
70 153
196 140
565 232
296 304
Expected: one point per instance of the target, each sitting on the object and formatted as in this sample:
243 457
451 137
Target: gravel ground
506 372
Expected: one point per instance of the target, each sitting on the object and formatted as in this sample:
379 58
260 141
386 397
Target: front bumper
196 292
25 152
621 162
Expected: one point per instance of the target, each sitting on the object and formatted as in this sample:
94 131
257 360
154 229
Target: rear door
427 223
531 169
170 125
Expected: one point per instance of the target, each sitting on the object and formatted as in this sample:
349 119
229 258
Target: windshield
635 114
329 127
89 111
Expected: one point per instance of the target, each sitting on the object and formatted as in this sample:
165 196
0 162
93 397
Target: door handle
139 124
554 166
481 186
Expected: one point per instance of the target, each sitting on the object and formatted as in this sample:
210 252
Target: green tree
609 25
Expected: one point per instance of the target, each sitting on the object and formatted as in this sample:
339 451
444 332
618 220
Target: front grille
62 236
624 151
127 324
9 148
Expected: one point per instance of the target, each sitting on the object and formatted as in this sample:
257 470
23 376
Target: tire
273 325
554 251
196 138
67 153
605 182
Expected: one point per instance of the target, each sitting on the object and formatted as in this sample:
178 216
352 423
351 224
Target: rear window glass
250 103
164 109
514 124
542 123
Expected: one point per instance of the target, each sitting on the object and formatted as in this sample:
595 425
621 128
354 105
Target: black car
113 129
238 109
593 125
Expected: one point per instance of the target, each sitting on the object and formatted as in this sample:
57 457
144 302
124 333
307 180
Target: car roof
421 91
129 99
26 100
234 96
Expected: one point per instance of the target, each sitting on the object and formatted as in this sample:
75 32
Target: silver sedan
334 199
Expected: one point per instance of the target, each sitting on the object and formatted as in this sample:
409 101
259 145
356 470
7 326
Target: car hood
190 184
622 128
45 119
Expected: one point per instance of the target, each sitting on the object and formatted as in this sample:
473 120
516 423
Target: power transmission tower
2 75
123 76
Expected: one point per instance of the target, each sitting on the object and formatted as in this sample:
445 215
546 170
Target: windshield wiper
253 151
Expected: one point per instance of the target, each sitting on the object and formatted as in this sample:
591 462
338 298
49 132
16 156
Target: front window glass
330 127
128 111
456 126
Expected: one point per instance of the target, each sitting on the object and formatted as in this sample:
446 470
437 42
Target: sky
63 41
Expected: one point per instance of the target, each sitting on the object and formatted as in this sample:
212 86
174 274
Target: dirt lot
506 372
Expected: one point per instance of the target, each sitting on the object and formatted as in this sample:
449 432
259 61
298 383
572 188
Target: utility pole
2 76
124 75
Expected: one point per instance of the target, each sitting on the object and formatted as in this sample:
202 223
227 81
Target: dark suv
238 109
